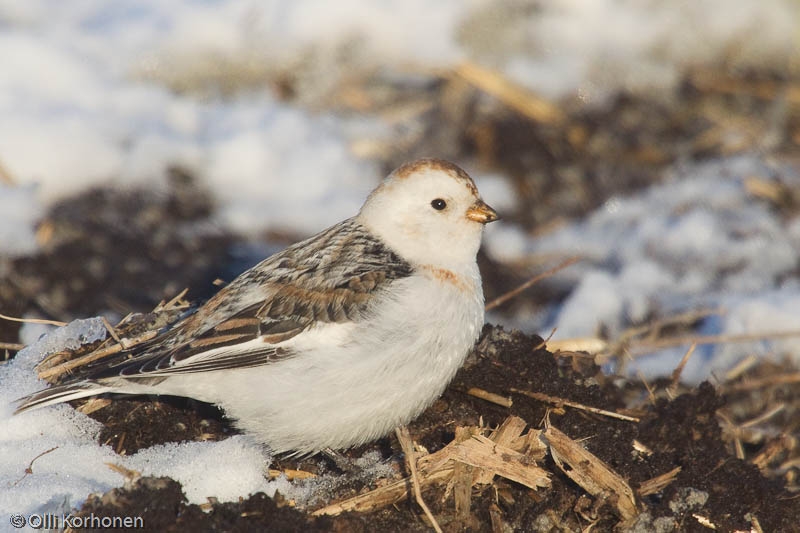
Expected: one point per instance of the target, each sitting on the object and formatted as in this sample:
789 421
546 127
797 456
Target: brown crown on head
406 169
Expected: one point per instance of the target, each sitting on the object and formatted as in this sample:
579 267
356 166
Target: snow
697 241
226 470
305 181
100 93
67 474
592 48
19 212
112 93
73 464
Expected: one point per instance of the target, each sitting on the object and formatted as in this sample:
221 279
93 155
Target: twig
111 330
382 496
764 90
704 521
763 417
650 331
668 342
175 302
658 483
511 94
94 356
736 434
29 470
544 341
127 473
34 320
591 345
490 397
291 474
741 367
462 482
11 346
756 524
411 461
503 298
784 379
650 393
561 401
672 388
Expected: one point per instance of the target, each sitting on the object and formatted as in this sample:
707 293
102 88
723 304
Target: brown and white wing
329 278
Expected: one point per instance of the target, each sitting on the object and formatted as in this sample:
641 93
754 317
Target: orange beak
480 212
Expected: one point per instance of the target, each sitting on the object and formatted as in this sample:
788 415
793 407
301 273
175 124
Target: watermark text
62 521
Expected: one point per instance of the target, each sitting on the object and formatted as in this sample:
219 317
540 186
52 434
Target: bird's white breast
352 383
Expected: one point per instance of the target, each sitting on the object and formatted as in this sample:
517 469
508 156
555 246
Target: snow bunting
336 340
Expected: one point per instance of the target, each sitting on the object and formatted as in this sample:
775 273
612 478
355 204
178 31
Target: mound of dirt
671 453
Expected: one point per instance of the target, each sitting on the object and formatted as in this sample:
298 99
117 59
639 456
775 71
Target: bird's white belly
352 383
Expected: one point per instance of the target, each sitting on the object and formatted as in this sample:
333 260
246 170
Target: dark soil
684 432
111 251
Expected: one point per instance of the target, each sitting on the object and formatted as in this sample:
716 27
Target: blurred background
152 146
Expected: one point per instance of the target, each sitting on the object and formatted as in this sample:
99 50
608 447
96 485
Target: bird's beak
480 212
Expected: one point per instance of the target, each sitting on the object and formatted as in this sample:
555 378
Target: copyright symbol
17 520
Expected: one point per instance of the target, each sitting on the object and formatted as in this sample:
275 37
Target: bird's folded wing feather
330 278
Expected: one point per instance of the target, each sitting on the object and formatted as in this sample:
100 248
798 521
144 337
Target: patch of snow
698 240
20 210
592 49
226 470
66 475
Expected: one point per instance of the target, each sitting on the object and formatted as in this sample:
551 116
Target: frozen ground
112 93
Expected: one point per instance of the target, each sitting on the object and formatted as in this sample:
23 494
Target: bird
336 340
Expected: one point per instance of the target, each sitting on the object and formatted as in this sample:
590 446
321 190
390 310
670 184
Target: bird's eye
438 204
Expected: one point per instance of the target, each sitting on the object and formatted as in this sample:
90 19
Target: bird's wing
330 278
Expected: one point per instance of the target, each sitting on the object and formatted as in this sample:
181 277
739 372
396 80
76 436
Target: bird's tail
59 394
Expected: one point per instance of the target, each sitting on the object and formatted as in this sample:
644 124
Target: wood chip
505 435
482 452
592 345
94 404
382 496
704 521
592 474
657 484
462 483
291 474
487 456
127 473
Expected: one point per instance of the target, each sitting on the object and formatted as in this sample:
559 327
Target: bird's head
429 212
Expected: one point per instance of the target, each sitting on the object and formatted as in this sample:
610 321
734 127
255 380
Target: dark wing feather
330 277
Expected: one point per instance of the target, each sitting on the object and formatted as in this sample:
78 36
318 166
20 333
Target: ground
681 433
123 251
